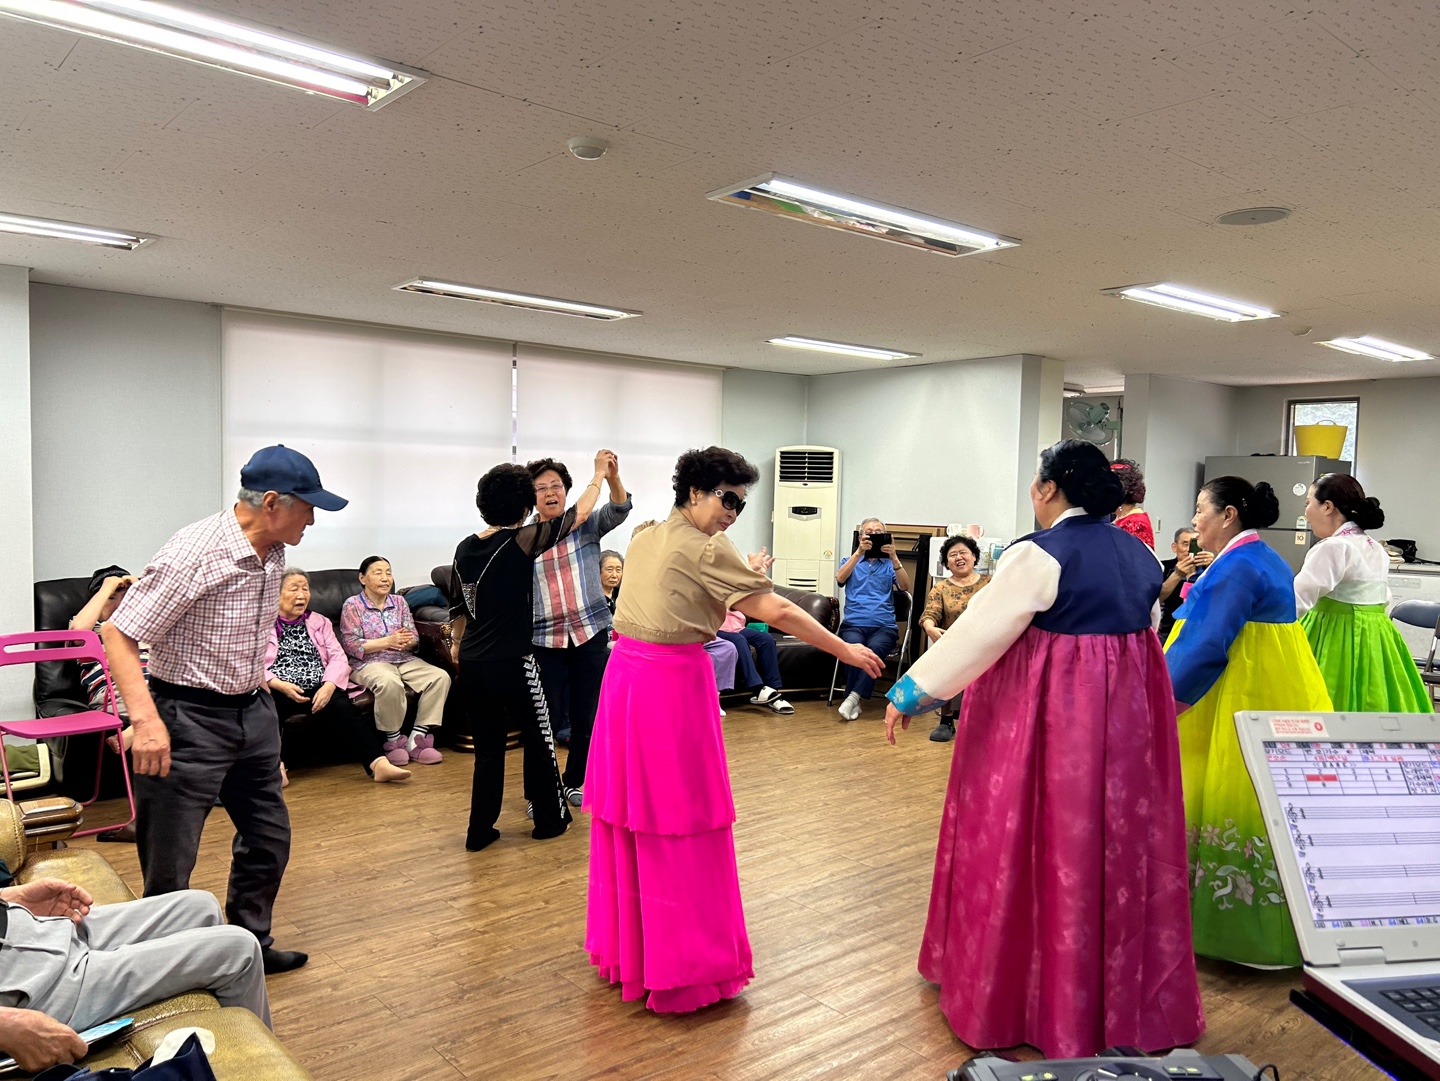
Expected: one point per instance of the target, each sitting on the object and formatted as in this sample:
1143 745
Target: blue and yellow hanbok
1237 646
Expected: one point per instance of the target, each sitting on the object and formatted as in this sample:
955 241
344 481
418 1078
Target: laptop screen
1363 820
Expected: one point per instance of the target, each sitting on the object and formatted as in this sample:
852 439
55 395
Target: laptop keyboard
1414 1003
1423 1003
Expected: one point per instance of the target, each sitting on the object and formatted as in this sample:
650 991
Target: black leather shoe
281 960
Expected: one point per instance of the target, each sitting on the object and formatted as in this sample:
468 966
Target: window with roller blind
568 405
403 423
400 423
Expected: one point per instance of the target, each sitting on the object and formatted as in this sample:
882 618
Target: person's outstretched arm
1026 582
775 610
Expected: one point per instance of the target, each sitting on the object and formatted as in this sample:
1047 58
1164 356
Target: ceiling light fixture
1181 299
232 45
514 300
792 341
65 230
805 202
1378 348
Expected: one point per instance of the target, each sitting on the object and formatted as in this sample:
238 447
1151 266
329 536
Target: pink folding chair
72 646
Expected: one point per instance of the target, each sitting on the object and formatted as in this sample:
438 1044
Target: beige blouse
947 600
679 583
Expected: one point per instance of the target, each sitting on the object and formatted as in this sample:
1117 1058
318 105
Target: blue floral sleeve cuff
908 698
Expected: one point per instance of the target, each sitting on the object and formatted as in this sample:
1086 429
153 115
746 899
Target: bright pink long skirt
1060 910
664 913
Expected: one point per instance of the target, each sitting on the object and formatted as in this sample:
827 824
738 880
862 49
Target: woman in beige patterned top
946 600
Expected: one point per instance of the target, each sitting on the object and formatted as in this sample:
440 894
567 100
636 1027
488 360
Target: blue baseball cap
287 472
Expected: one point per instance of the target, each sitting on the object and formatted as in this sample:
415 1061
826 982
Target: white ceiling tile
1173 27
1217 131
1096 68
1391 136
1285 69
1366 25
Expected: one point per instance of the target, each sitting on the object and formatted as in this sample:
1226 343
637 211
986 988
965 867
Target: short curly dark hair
540 465
958 538
1128 470
505 495
708 469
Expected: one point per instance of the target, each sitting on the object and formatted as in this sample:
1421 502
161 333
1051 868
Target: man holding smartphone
869 577
1189 560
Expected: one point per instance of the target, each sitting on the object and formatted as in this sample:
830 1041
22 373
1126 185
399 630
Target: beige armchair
245 1049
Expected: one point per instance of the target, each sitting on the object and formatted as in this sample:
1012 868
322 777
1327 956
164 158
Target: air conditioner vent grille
807 467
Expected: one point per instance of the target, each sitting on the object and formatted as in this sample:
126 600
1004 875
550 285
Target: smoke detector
587 147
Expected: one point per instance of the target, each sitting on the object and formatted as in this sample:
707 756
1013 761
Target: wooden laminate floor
430 962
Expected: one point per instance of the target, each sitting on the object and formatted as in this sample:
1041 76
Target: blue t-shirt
867 594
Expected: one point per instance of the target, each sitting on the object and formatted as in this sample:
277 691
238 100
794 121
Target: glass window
1344 411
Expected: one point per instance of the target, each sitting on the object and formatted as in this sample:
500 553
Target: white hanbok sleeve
1026 582
1324 569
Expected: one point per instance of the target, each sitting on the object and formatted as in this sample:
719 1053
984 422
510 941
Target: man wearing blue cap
203 726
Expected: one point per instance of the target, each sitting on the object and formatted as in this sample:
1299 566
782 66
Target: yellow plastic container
1323 440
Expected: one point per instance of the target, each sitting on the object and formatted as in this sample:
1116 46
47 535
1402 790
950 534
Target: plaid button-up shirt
569 601
206 604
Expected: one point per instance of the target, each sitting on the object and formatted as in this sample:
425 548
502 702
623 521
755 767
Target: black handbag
189 1064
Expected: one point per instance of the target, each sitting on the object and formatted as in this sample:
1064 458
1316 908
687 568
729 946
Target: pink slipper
422 750
395 751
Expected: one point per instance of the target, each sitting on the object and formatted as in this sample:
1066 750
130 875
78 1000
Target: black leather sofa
57 683
805 667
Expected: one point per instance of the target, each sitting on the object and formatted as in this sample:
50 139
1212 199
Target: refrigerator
1291 477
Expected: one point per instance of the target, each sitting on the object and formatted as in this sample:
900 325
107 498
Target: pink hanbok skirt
664 914
1060 910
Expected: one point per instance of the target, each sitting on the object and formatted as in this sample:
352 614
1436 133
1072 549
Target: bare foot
113 743
383 770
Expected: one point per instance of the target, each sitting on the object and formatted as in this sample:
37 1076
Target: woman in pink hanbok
664 918
1060 910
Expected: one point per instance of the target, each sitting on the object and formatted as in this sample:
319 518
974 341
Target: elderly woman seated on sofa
378 632
307 673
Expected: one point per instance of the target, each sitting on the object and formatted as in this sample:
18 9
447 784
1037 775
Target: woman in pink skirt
664 907
1060 913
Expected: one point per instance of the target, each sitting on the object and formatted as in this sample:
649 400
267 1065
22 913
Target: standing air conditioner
807 504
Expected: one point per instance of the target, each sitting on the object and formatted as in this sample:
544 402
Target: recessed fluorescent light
836 210
514 300
233 45
1178 297
791 341
1376 347
65 230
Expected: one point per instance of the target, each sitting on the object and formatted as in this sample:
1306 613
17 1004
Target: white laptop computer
1352 801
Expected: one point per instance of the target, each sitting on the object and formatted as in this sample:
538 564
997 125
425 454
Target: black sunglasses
729 500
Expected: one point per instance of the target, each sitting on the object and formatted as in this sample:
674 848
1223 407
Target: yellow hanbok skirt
1237 906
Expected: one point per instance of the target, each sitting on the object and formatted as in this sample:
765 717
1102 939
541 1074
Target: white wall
125 428
1171 427
938 443
761 411
1397 445
17 612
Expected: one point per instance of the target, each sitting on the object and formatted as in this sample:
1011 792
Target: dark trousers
574 674
881 641
231 752
752 675
356 736
496 691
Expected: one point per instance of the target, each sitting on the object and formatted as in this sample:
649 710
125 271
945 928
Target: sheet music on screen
1364 821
